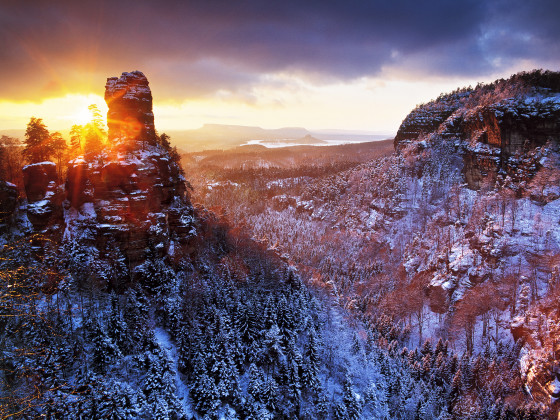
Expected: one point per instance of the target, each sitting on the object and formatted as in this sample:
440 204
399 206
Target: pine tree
292 368
159 386
270 394
311 362
426 348
117 328
59 150
456 385
426 365
118 403
38 147
285 319
104 349
321 403
273 351
375 399
94 132
135 318
339 411
440 348
255 387
224 370
77 134
467 378
204 394
356 345
10 160
351 403
164 140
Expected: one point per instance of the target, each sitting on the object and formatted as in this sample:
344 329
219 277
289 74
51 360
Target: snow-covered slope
457 234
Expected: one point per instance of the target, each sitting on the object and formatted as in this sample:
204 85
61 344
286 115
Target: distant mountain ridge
217 136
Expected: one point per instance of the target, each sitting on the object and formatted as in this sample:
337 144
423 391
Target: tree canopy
38 142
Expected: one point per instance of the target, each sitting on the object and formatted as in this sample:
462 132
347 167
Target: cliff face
135 200
498 127
426 119
506 138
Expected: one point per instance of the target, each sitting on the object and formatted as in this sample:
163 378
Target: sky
319 64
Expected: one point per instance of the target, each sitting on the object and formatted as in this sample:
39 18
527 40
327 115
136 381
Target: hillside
456 234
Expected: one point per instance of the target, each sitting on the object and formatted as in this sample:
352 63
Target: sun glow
57 113
81 117
279 100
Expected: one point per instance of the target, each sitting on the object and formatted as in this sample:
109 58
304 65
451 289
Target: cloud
196 48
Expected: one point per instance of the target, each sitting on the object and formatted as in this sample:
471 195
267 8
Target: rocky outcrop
8 201
38 179
130 115
494 126
427 118
500 137
132 195
44 195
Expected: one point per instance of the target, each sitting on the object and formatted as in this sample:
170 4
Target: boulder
44 195
8 201
37 179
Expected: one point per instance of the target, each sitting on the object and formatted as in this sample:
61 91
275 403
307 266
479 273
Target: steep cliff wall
500 255
495 126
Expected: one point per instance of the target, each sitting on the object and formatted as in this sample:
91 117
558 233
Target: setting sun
81 117
58 113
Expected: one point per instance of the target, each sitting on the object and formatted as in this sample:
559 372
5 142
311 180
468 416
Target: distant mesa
216 136
308 139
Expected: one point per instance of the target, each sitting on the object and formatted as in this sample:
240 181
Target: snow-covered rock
130 113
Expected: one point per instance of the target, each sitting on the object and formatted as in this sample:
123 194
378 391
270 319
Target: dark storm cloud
212 45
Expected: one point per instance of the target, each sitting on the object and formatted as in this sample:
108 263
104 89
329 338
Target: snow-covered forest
449 249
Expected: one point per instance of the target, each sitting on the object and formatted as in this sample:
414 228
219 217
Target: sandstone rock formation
507 135
8 201
130 115
132 197
44 195
494 126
